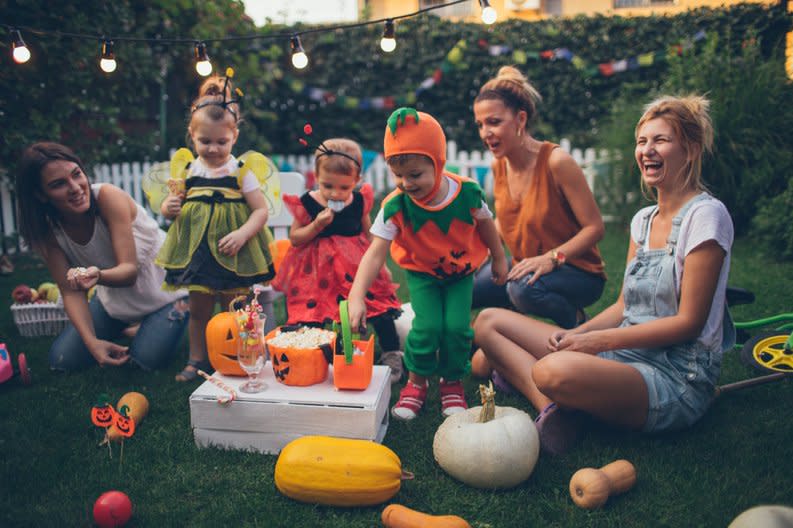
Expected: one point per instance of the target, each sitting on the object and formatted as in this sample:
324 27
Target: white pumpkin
771 516
403 323
488 453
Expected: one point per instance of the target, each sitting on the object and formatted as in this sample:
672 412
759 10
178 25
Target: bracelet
558 258
98 275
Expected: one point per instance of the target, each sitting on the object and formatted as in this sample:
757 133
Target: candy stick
224 400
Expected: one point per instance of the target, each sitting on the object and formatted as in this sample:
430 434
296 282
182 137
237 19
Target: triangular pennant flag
646 59
368 157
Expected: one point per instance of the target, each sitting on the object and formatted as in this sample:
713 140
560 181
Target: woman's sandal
559 429
189 374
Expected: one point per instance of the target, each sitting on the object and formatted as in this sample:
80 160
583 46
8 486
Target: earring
520 132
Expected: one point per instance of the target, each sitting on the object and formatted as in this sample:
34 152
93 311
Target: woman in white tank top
96 235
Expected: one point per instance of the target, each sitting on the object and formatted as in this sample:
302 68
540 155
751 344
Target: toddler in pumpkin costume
439 229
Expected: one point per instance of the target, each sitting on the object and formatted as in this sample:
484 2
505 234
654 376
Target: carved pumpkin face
297 366
125 424
103 415
223 340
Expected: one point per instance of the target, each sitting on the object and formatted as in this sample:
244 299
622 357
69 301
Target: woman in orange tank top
545 212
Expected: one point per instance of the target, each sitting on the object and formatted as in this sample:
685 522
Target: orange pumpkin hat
411 132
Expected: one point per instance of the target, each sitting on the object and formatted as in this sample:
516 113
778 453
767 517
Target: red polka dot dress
316 276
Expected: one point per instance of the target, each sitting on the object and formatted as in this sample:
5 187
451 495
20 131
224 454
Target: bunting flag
456 55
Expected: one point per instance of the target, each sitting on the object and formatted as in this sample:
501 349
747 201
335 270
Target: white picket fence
128 177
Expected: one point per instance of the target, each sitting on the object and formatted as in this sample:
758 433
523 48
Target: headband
225 103
323 150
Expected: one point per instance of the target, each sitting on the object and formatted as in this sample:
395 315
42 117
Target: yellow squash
338 471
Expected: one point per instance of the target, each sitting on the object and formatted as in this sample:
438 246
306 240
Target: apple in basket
24 294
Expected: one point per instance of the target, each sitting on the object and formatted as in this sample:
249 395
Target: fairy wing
267 174
155 181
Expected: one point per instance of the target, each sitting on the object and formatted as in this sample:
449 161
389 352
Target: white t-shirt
127 303
249 181
388 229
705 220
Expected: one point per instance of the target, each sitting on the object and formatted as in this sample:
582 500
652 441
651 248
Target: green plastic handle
346 332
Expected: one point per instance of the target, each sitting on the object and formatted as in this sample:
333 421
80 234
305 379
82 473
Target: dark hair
34 217
398 160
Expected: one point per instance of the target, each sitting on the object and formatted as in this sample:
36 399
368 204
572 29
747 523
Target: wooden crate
269 420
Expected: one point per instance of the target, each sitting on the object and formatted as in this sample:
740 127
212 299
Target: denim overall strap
674 233
645 231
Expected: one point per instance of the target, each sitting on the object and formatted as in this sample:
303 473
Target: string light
388 42
20 52
108 60
489 14
202 64
299 57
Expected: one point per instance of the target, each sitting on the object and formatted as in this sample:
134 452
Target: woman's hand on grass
108 353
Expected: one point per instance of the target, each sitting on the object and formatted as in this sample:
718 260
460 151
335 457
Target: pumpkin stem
488 395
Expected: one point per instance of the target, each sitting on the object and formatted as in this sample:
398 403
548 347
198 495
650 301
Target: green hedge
61 94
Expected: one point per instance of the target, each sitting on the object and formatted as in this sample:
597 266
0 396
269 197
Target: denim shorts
680 382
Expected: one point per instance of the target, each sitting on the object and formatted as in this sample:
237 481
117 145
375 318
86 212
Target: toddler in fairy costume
439 230
329 236
218 242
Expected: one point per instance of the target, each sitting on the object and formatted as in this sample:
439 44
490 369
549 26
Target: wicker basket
39 319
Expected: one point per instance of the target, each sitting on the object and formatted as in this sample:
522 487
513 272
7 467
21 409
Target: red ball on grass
111 509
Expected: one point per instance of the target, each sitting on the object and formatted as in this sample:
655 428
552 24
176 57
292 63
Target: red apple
22 294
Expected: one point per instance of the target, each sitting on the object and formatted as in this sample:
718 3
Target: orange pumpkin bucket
352 366
298 366
278 250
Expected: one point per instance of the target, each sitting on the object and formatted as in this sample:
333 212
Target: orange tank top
543 219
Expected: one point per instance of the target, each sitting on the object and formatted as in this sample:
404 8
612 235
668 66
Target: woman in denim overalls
651 360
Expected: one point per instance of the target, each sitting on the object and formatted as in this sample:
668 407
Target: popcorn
303 338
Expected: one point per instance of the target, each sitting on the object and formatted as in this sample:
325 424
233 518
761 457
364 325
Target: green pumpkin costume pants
439 342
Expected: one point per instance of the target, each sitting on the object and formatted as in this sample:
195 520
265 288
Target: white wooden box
269 420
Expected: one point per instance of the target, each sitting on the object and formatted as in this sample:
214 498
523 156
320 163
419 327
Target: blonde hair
514 90
689 118
337 160
213 104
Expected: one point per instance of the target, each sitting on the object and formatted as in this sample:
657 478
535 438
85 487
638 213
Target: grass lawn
51 469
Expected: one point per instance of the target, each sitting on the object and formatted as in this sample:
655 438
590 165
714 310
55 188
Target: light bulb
203 68
299 57
202 65
108 60
489 14
388 42
107 65
20 52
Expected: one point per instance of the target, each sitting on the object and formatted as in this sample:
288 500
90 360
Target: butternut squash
137 408
590 488
398 516
338 471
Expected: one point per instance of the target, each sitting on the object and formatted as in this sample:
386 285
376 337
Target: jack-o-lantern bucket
223 340
298 366
352 365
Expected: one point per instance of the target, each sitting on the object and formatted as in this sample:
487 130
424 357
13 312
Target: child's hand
172 206
499 270
324 218
357 311
231 243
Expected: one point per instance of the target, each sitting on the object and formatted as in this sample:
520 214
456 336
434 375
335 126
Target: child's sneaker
452 397
393 359
411 399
